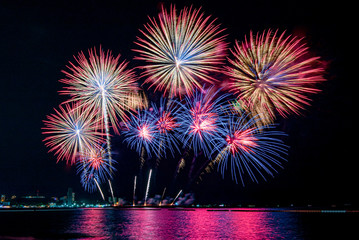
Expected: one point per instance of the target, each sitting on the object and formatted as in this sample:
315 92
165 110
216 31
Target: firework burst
70 130
141 132
272 73
94 164
181 50
199 117
248 148
166 124
103 84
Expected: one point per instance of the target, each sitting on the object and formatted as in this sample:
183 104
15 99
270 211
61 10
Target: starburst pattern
71 129
181 50
141 132
272 73
248 148
103 84
199 117
166 123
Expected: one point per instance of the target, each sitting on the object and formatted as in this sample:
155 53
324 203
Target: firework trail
273 73
90 182
181 50
134 190
98 185
71 128
248 148
163 195
176 197
148 186
111 190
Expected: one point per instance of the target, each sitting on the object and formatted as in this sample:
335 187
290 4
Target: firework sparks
181 50
94 161
141 131
199 117
103 84
248 148
90 182
272 73
166 124
71 129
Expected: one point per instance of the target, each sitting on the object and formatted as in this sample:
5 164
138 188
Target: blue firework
141 132
199 117
88 181
165 118
95 165
248 148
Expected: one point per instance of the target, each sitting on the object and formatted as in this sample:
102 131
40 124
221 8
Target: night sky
38 39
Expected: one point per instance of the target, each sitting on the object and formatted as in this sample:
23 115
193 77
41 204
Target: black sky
38 39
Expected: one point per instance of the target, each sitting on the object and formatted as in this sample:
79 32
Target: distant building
2 198
30 201
63 199
70 197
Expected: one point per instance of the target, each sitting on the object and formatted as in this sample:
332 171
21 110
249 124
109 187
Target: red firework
102 83
181 50
70 130
272 73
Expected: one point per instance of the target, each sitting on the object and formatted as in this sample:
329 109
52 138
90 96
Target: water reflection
170 224
91 223
174 224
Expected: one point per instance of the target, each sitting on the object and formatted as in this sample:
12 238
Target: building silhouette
70 197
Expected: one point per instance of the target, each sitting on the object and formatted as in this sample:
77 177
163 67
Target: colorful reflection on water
167 224
186 224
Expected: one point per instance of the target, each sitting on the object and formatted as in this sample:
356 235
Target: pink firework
273 73
70 130
243 140
203 124
199 117
141 131
181 50
95 160
103 84
166 123
145 132
164 117
248 148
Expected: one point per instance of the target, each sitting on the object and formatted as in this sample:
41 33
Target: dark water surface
175 224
